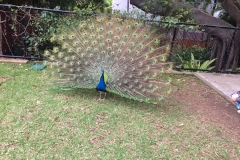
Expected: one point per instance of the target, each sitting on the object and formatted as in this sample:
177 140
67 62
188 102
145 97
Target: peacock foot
102 98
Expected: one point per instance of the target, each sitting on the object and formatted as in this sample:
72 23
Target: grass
39 123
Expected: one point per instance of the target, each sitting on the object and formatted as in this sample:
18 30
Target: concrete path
224 84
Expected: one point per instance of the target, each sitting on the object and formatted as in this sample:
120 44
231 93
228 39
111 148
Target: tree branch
231 9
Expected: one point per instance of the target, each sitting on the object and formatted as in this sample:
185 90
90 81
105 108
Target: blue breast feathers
101 85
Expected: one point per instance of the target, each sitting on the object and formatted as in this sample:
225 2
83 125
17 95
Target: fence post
173 37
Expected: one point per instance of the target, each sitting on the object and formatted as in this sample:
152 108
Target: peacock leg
104 96
100 96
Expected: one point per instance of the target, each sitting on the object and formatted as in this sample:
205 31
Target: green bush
201 54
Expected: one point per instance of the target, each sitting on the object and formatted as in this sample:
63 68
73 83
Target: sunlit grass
39 123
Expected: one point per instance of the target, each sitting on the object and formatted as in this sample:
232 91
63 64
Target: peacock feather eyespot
65 65
91 55
85 34
82 55
132 68
160 98
153 75
94 42
145 78
110 32
107 56
52 65
141 46
45 62
108 40
109 48
119 84
150 48
161 69
55 49
80 75
154 61
119 50
91 27
128 27
46 53
86 63
92 36
125 36
52 58
135 35
145 56
123 43
147 68
118 28
71 37
53 73
125 81
88 49
125 66
117 66
100 29
71 70
129 51
78 69
116 37
131 59
136 81
102 45
132 44
137 53
100 37
78 50
139 73
76 43
145 36
74 57
95 50
85 42
140 86
150 85
123 58
112 53
69 50
103 52
66 59
71 63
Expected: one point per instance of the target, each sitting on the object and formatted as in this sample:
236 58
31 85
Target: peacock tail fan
132 54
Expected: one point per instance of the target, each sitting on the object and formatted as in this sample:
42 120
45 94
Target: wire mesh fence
20 36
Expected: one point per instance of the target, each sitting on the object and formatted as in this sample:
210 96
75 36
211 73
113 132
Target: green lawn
39 123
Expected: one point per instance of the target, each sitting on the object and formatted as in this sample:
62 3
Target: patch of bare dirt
212 108
2 80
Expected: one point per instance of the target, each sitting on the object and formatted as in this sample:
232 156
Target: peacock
114 54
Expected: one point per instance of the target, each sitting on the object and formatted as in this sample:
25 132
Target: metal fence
14 46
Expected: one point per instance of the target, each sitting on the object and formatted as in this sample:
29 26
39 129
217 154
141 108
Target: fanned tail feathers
131 53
